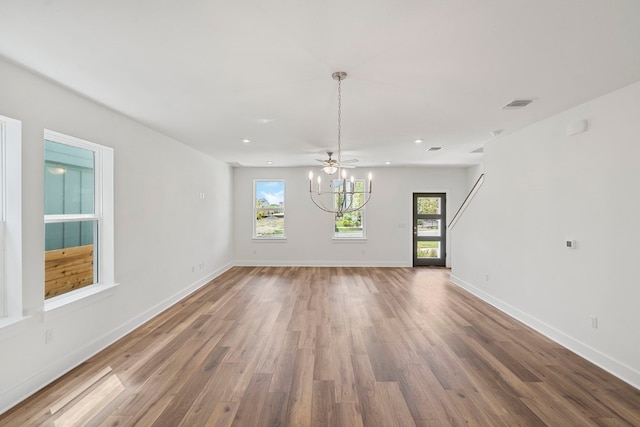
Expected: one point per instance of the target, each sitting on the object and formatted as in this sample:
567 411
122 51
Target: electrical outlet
48 336
594 322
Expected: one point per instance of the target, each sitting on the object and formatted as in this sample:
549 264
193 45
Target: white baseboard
614 367
306 263
11 397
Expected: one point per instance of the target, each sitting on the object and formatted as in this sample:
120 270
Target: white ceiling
212 73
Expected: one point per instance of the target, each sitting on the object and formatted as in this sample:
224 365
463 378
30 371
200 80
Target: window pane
68 179
428 205
70 258
269 222
350 225
428 249
269 208
429 227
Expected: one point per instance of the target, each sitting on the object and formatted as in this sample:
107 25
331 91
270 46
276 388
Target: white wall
473 173
309 230
162 230
542 188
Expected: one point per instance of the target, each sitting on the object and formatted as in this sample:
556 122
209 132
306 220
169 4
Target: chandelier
341 196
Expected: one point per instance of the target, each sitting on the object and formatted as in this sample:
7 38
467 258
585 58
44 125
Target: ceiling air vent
435 149
517 103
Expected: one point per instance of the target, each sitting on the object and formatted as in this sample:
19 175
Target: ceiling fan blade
350 161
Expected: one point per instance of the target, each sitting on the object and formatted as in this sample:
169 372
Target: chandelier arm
344 208
321 205
340 210
366 201
350 210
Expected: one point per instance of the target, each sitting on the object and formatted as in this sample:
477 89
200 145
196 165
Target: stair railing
467 200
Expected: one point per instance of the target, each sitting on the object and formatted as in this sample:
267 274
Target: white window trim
281 237
11 218
103 212
361 238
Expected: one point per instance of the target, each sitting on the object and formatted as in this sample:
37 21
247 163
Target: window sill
71 301
269 239
349 239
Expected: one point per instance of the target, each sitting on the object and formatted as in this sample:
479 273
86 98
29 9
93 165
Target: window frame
363 235
102 216
10 220
255 210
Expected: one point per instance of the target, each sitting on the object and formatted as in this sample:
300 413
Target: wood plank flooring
294 346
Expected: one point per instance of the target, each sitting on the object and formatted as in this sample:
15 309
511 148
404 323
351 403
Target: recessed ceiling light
387 163
264 121
418 141
496 132
269 162
246 141
434 148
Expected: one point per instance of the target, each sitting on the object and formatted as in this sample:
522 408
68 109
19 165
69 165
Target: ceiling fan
330 166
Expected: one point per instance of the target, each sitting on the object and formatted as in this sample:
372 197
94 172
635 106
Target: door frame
436 262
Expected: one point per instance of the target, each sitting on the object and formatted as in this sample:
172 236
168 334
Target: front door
429 237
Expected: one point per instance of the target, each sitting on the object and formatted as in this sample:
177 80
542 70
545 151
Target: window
78 214
10 219
350 225
268 197
3 247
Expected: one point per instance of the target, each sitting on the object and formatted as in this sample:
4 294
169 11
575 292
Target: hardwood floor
293 346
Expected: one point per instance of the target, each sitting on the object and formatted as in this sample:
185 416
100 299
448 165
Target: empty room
380 213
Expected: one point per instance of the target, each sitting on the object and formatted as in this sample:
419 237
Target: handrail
467 200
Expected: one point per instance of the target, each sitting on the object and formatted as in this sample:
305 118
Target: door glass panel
428 206
429 227
427 249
